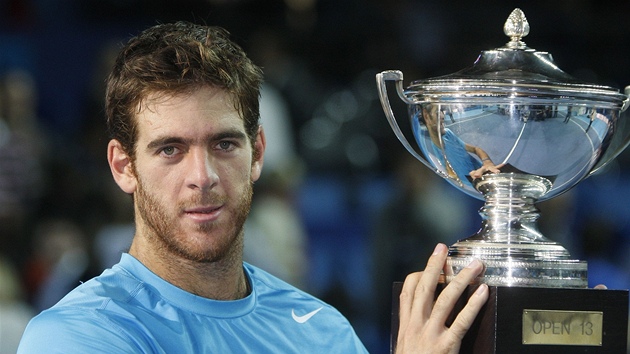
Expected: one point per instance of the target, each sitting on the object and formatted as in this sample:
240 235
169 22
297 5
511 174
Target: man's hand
423 323
488 167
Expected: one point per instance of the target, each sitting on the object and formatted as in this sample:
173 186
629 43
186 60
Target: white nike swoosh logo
304 318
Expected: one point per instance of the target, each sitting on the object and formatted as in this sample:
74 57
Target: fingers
478 173
425 291
417 295
406 300
434 267
467 315
451 294
422 321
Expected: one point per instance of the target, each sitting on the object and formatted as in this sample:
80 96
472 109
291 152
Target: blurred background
342 210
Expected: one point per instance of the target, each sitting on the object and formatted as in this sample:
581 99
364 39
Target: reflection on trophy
514 129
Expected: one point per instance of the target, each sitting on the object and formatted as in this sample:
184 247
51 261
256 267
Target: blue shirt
460 160
129 309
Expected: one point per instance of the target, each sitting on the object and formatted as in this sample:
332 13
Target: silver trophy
513 129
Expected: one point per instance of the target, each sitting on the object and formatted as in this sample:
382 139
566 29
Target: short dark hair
179 58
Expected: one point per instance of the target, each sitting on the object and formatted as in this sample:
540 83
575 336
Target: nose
201 172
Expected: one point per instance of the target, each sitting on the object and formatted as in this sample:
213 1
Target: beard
208 242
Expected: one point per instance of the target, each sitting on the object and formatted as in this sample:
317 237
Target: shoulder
73 330
90 318
114 285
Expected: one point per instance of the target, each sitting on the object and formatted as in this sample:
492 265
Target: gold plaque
562 327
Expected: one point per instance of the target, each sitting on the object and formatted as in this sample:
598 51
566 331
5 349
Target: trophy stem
509 243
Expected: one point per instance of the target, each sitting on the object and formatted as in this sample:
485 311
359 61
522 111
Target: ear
121 166
259 152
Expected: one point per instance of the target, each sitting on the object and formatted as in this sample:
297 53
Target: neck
223 279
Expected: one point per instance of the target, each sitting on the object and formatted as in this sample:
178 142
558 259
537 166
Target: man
182 110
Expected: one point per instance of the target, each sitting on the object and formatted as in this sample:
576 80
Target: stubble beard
170 237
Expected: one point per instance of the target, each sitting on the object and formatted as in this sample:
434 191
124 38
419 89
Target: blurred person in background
60 260
183 112
21 157
21 182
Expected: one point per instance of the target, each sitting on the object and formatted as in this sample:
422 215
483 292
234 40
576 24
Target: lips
204 214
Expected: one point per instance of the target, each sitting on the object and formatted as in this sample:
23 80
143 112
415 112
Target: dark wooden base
499 327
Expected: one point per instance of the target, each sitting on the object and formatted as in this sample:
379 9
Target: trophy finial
516 27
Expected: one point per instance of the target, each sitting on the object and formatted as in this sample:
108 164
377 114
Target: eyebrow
229 134
162 141
169 140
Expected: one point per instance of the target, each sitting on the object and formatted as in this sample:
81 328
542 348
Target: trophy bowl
513 129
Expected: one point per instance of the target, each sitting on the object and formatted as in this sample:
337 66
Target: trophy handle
397 76
618 146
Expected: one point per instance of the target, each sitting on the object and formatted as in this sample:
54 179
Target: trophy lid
513 73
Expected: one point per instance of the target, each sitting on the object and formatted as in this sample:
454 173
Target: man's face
193 171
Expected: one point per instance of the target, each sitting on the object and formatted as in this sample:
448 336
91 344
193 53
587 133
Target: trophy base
541 320
525 273
543 263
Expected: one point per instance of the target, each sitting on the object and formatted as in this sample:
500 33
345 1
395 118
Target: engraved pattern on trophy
513 129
